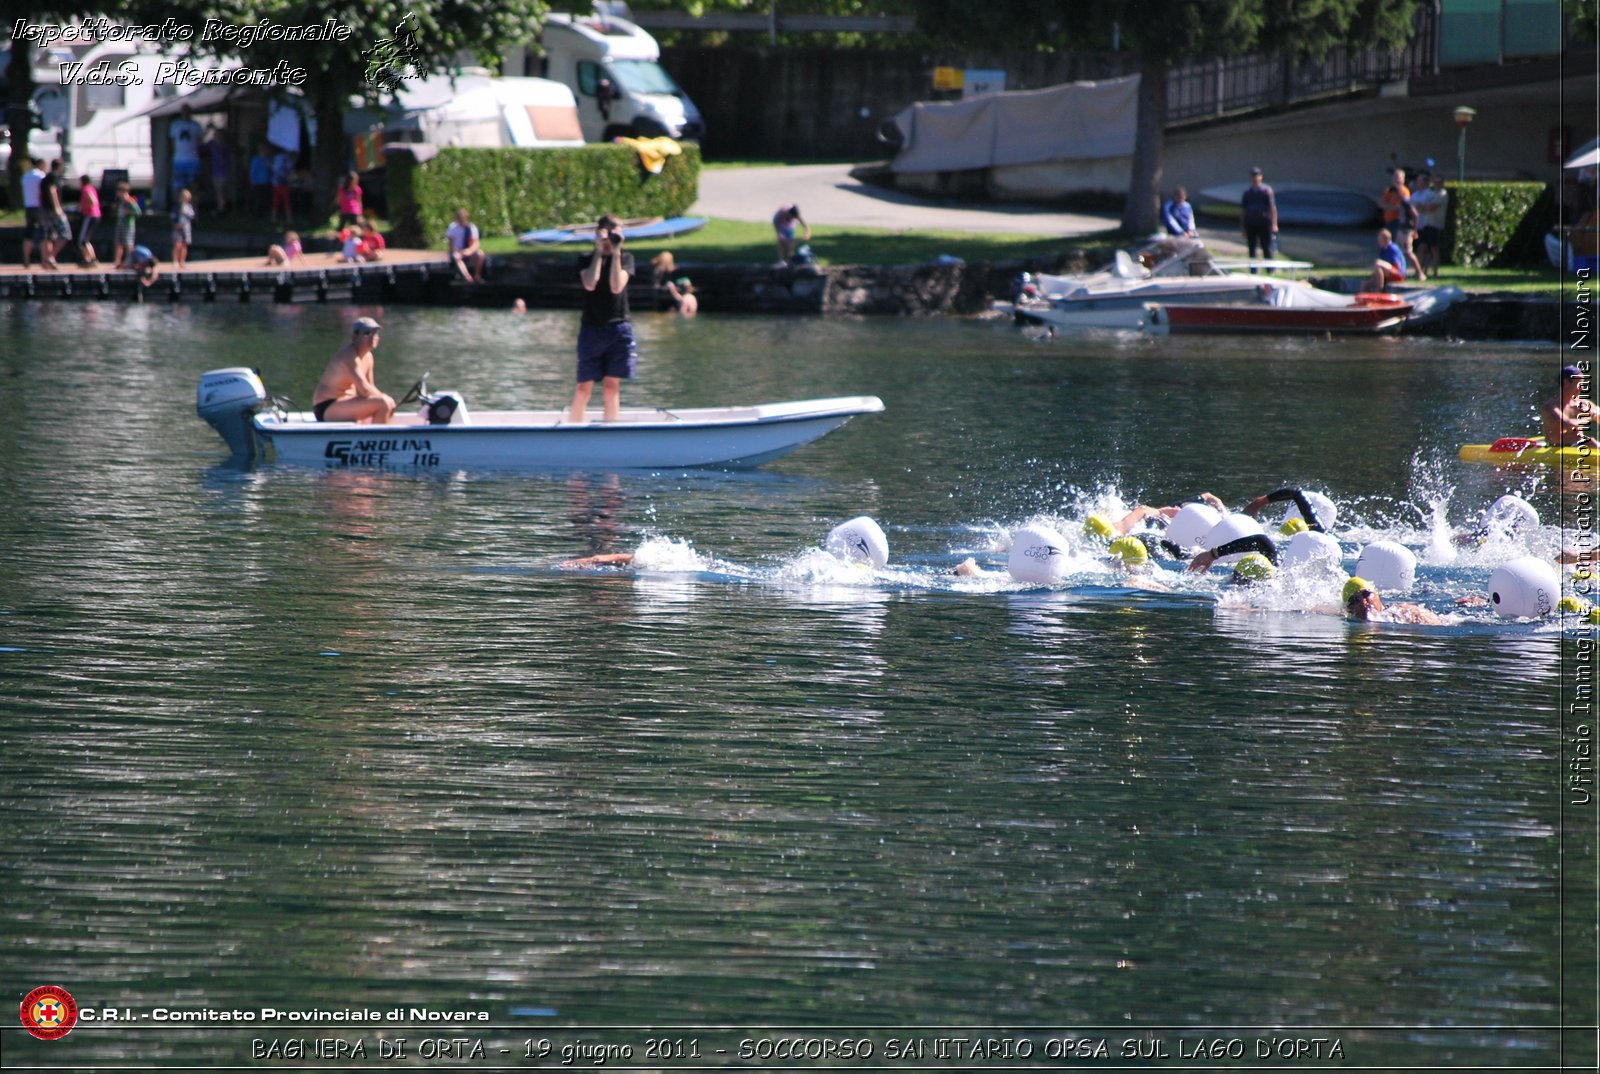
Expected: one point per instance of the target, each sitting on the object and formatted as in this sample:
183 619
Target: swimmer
1131 555
1102 528
1302 503
606 559
1506 518
1362 603
1256 544
1565 417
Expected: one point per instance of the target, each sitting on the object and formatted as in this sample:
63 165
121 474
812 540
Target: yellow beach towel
653 152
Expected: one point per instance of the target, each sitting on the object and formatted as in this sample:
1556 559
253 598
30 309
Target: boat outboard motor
444 408
228 399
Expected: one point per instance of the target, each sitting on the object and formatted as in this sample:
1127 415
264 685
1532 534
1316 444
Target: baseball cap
366 324
1255 171
1571 372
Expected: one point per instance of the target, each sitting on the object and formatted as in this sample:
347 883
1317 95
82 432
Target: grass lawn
742 242
735 241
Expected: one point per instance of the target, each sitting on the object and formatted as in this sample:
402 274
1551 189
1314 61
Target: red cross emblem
49 1012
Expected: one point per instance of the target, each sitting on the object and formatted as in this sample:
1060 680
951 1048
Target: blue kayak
649 229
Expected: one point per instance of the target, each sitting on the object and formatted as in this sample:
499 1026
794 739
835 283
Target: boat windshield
643 76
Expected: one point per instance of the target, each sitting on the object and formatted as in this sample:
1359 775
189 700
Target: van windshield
643 76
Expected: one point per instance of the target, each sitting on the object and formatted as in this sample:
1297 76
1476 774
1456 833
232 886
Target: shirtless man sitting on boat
348 390
1566 416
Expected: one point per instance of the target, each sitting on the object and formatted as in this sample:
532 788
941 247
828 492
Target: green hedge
510 191
1491 223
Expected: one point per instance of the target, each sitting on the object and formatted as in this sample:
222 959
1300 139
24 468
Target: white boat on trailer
444 435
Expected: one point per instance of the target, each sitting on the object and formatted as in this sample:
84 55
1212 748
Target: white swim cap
860 540
1390 565
1038 556
1525 588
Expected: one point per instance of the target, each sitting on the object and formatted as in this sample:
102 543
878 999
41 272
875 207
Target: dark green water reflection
288 738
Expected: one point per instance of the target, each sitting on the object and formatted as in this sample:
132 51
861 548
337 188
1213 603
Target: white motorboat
1299 308
1169 272
444 435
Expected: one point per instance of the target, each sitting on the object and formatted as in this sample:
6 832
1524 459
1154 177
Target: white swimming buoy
1509 514
1325 508
860 540
1389 565
1525 588
1310 547
1038 556
1230 528
1192 522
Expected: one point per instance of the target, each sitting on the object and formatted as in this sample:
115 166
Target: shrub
1490 223
513 190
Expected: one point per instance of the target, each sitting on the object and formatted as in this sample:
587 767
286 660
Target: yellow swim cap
1593 618
1131 551
1572 604
1099 528
1254 567
1354 587
1292 526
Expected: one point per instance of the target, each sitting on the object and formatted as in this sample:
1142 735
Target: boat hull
1127 311
1281 320
734 439
1519 451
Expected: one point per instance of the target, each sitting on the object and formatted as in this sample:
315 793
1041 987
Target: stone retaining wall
968 287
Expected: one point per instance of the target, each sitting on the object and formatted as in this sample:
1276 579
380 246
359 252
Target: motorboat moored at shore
445 435
1170 272
1295 308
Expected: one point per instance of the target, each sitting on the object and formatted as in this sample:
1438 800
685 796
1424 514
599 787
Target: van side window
588 78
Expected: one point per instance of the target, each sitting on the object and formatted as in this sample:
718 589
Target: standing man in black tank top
606 348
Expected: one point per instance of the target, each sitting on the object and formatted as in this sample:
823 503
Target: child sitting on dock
287 252
371 246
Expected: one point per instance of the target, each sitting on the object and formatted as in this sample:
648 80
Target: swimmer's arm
1254 507
1255 542
608 559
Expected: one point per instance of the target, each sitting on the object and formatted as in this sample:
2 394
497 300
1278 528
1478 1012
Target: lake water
347 741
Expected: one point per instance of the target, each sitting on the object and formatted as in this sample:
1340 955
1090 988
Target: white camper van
83 95
612 66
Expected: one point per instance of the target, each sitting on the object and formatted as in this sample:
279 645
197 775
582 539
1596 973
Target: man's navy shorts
606 350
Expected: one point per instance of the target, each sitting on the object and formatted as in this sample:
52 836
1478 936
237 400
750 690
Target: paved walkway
826 194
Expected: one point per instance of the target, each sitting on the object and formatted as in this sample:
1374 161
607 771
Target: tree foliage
438 33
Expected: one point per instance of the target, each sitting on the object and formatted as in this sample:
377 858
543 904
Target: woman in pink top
89 210
350 200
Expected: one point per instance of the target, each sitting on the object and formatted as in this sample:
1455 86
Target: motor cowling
228 400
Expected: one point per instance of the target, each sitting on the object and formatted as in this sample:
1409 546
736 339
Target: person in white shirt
30 209
468 256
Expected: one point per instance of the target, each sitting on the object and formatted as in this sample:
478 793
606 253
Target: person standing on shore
784 222
89 214
127 225
607 351
31 180
55 232
182 228
1258 217
186 137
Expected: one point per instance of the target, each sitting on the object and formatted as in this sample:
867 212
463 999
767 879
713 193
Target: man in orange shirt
1400 217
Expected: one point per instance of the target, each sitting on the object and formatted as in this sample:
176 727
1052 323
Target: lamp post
1463 118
